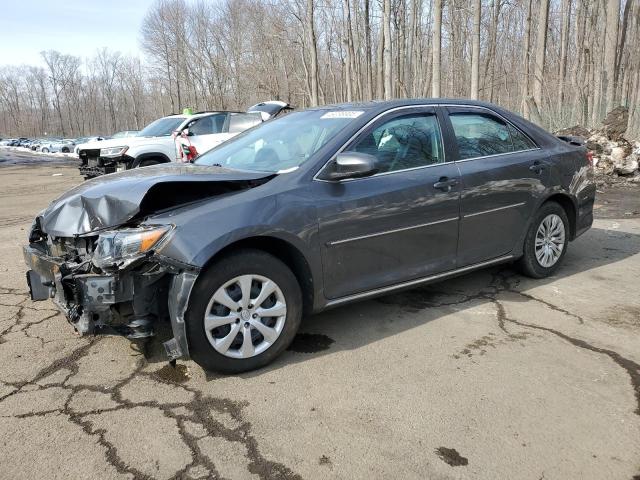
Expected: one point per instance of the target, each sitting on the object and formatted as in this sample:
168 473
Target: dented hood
112 200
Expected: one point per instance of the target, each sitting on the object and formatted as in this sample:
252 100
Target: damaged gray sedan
313 210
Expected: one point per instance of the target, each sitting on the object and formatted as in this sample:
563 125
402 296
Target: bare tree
475 54
610 45
313 48
388 72
437 44
538 68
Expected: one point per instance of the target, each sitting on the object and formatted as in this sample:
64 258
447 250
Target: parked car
36 145
316 209
7 142
156 143
66 145
47 145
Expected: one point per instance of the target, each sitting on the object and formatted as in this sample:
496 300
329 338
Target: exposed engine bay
99 257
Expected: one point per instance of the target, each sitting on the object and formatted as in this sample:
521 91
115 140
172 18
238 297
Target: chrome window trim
396 230
497 155
504 120
513 205
418 281
367 125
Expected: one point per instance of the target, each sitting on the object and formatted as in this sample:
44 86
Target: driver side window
409 141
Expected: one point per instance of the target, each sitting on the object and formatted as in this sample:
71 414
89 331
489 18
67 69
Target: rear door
503 171
400 224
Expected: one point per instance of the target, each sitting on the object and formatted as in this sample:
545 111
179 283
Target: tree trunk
526 92
386 32
611 41
475 50
564 47
367 48
437 44
541 47
313 51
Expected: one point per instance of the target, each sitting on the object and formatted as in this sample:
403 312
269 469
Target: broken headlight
122 246
113 152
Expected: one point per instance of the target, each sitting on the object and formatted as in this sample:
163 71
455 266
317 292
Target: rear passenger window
403 142
520 140
480 135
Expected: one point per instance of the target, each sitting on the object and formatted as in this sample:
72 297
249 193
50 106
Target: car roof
382 105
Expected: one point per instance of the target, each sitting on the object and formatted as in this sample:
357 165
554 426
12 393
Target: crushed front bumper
95 166
128 302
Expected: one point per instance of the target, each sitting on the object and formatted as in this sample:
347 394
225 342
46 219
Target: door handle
537 166
445 183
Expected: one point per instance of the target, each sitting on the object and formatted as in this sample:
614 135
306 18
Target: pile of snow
613 154
34 152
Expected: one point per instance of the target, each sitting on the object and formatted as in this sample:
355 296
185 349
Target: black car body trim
396 230
513 205
418 281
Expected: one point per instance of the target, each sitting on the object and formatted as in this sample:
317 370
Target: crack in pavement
197 410
501 282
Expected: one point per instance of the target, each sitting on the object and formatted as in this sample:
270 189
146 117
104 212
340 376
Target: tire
258 266
529 264
65 150
45 150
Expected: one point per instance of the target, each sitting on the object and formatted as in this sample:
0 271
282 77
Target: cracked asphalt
487 376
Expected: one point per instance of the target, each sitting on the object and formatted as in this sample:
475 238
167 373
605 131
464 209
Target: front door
502 172
400 224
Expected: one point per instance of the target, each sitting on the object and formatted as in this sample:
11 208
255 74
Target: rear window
482 135
239 122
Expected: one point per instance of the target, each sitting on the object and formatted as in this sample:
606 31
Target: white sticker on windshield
343 114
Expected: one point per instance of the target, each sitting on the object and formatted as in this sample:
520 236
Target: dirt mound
615 123
613 154
575 131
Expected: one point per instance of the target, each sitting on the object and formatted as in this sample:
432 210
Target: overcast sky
77 27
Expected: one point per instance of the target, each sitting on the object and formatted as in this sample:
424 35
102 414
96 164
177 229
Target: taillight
590 158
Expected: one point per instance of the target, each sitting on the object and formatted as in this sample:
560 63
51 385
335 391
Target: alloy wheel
245 316
550 239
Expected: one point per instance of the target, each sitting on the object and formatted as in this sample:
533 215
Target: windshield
162 127
279 144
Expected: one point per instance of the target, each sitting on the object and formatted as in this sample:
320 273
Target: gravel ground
488 376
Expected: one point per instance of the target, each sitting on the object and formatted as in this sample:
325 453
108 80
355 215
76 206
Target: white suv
156 142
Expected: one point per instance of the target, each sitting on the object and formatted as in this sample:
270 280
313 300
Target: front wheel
45 150
243 312
546 241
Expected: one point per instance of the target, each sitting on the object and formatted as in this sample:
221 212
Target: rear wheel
243 312
65 150
546 241
45 150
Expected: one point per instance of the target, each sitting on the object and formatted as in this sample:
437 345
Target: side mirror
350 165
